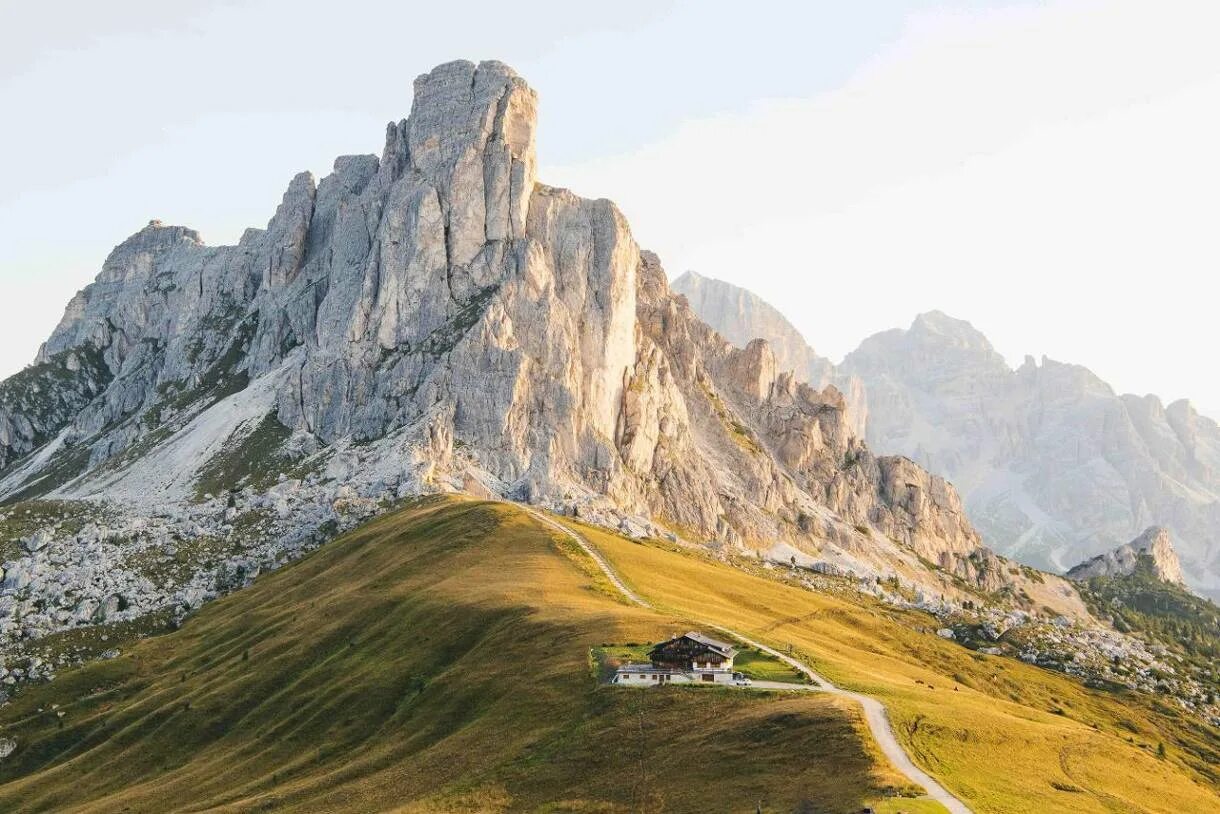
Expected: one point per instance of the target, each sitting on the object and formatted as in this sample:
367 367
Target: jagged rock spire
471 136
457 321
1155 543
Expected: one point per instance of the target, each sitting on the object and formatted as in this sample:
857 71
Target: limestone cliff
741 316
436 318
1052 464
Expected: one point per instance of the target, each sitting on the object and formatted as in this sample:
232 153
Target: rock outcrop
1154 544
437 319
740 316
1053 465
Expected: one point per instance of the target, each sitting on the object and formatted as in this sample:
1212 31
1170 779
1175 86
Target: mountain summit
435 319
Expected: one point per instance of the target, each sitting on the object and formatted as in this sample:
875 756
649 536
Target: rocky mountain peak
936 345
288 230
1154 543
937 326
155 238
437 320
471 135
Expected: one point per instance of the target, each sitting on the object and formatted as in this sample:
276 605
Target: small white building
689 659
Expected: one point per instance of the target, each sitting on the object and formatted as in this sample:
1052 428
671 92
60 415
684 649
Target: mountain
740 316
1139 587
1154 544
1053 466
433 319
744 317
230 579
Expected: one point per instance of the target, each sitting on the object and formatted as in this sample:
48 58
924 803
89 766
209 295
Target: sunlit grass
435 660
1003 735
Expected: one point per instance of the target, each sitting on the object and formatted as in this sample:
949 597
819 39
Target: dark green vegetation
437 659
48 394
255 460
1160 612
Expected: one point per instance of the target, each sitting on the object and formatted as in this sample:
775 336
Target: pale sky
1048 170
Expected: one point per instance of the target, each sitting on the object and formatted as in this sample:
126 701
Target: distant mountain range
1053 465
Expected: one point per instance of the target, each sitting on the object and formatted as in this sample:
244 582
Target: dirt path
874 712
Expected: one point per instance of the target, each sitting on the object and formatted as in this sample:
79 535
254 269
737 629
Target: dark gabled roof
723 648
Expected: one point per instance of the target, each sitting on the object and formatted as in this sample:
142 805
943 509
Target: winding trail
874 712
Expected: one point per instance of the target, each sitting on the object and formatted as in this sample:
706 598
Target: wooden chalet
693 651
691 658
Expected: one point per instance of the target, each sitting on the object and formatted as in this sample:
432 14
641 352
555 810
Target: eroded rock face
741 316
1053 466
1154 543
436 319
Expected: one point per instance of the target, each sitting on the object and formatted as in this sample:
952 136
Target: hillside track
874 711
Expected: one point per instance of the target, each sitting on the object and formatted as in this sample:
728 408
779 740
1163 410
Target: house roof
723 648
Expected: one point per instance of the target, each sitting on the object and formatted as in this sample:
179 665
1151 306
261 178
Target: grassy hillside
1003 735
436 660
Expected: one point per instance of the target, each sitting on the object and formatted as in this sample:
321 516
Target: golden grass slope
1002 735
434 660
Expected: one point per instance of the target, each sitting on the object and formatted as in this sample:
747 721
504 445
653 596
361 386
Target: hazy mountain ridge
1053 466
